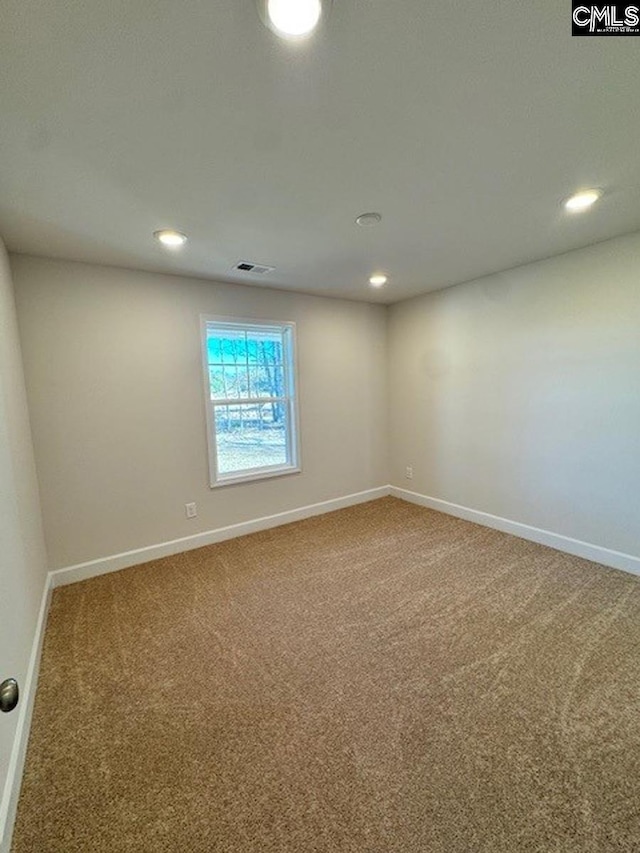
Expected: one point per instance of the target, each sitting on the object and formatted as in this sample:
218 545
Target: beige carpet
383 679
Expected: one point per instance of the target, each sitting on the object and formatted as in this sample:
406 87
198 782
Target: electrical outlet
191 510
409 472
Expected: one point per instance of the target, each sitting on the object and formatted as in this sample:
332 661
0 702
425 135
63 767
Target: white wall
22 555
113 368
519 394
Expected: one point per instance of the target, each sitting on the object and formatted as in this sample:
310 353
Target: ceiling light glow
582 200
378 280
170 238
368 220
294 17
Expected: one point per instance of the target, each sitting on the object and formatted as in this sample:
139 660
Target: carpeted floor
383 679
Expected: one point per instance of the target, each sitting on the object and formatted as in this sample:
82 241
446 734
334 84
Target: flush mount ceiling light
367 220
582 200
292 19
378 280
170 238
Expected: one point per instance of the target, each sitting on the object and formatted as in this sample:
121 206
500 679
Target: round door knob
9 695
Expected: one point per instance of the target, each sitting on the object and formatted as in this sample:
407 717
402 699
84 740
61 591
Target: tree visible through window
250 399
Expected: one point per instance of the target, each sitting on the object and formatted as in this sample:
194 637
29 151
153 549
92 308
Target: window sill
252 476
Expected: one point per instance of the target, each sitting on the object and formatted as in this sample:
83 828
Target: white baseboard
114 563
596 553
9 803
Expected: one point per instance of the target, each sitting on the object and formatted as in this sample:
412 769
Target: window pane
242 381
267 345
216 383
267 381
252 349
253 381
250 436
232 347
227 381
214 353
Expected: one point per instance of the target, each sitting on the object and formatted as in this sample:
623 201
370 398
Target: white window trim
217 480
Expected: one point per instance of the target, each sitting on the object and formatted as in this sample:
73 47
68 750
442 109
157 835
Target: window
250 397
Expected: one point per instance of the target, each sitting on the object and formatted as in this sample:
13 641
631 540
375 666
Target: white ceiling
464 124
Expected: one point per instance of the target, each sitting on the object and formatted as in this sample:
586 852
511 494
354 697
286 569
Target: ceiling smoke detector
254 269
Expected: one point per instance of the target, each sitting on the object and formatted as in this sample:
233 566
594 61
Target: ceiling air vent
254 269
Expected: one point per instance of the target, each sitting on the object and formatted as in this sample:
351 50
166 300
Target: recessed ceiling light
582 200
366 220
292 19
378 280
169 238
